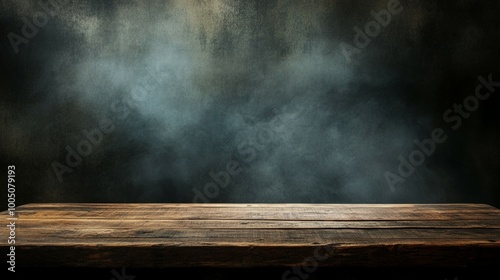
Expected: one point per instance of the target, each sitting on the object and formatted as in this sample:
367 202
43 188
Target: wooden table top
255 235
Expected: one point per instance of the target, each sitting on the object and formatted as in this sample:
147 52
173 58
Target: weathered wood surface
249 235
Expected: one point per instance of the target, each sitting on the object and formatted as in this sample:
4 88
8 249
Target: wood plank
254 224
258 237
246 235
265 213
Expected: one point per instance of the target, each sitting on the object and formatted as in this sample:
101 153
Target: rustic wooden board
249 235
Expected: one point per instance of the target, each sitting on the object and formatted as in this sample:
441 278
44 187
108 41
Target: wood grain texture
249 235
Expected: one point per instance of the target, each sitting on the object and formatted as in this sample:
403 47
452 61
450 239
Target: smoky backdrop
270 101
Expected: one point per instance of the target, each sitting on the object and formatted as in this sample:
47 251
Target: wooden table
255 235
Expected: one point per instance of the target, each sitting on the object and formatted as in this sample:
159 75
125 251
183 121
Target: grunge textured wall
251 101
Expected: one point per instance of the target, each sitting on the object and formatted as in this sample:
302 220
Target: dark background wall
170 91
